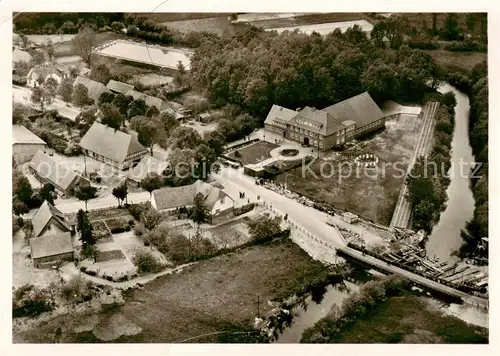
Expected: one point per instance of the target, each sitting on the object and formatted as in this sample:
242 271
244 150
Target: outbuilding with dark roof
47 170
47 251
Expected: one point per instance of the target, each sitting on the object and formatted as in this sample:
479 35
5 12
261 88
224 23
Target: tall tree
451 30
80 96
85 194
51 85
106 98
169 122
100 73
83 44
199 214
136 108
149 131
50 49
151 182
122 102
47 192
66 89
42 96
120 193
85 229
111 116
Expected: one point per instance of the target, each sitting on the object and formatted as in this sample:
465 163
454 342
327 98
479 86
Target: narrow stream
445 237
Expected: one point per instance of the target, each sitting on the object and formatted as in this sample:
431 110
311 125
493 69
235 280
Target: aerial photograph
250 178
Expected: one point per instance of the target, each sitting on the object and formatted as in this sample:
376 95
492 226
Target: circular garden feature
366 160
289 152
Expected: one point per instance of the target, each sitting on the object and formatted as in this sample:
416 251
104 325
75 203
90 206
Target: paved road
311 219
106 201
402 212
22 95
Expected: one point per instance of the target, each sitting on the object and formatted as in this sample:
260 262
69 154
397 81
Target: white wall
222 205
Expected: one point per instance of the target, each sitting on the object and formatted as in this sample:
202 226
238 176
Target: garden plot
217 25
253 153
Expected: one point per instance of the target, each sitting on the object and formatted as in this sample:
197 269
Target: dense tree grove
255 69
429 178
477 228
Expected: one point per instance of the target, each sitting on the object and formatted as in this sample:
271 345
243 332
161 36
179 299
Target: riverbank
386 312
445 238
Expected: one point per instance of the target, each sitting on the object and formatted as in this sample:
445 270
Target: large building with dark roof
114 147
329 127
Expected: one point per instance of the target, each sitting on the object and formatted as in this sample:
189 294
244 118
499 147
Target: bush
466 46
423 43
31 301
136 210
140 230
118 225
147 263
76 289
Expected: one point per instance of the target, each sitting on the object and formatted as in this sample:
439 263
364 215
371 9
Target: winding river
445 237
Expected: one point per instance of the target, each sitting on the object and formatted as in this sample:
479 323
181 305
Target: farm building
48 250
167 58
150 100
119 87
148 164
114 147
25 144
330 127
48 220
43 72
48 170
217 201
95 88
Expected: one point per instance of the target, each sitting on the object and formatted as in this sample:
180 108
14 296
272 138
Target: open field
217 25
179 16
369 192
311 19
408 319
254 153
210 296
417 19
64 48
457 61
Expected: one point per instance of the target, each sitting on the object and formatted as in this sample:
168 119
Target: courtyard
253 153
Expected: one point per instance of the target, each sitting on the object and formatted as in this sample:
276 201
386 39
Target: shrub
136 210
466 46
147 263
118 225
75 289
31 301
140 230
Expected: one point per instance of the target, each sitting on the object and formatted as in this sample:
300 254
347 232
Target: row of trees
256 69
429 176
477 228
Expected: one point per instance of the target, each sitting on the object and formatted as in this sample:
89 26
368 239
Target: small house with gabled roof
114 147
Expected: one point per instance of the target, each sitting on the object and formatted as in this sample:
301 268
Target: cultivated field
253 153
311 19
457 61
217 25
215 295
371 193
